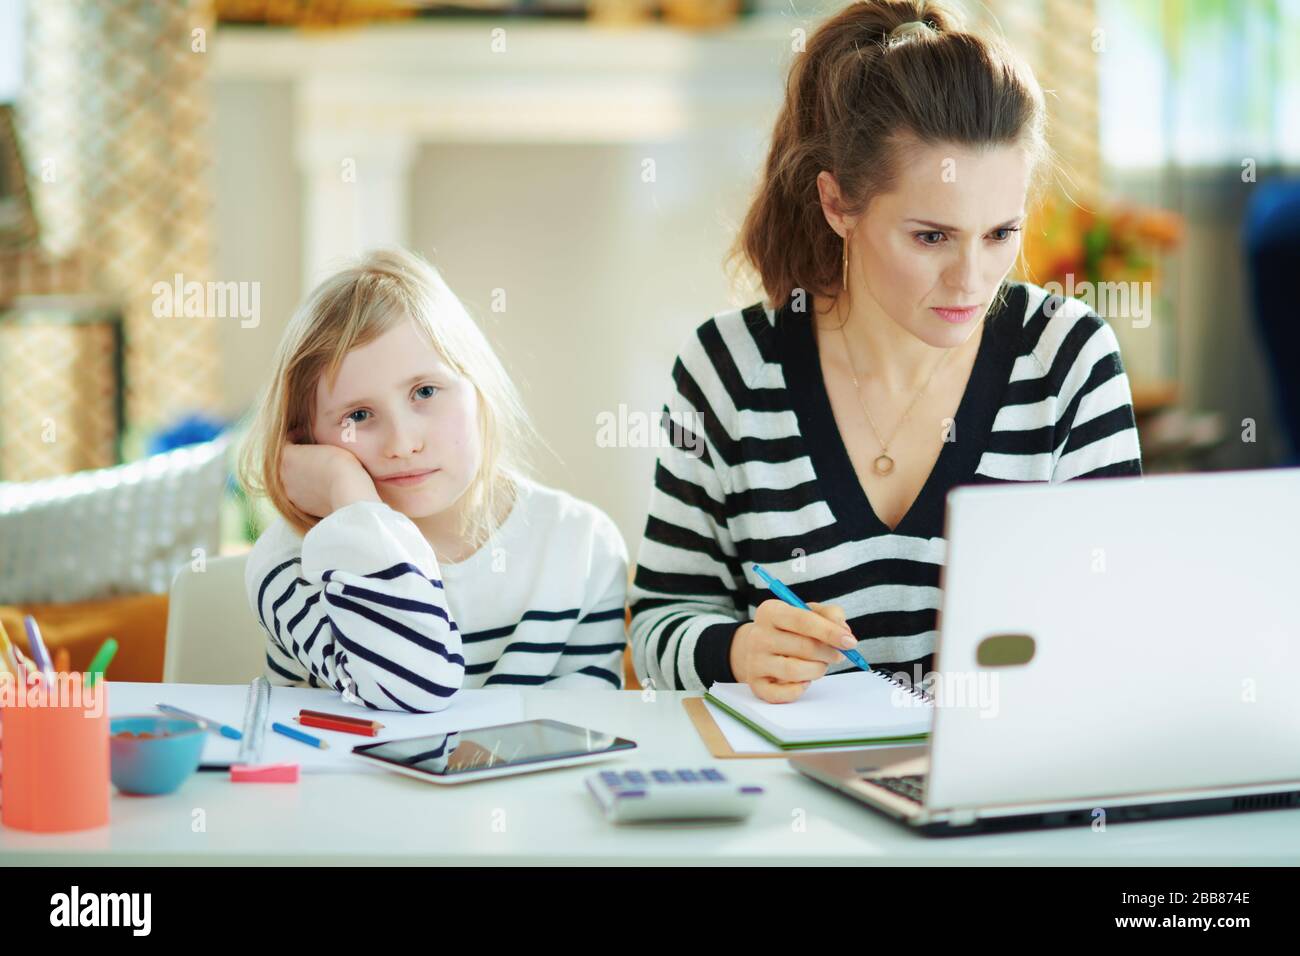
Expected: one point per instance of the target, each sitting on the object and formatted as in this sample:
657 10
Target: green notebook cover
807 745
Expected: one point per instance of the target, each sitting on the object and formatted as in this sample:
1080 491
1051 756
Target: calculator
635 796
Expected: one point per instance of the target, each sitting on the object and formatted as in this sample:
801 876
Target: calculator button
610 778
713 775
661 776
634 776
688 776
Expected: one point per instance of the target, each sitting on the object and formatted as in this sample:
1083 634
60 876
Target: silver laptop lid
1164 622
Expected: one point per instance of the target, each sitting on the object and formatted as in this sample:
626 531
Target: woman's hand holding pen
785 648
320 479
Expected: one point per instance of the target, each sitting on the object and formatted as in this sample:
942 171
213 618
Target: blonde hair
878 79
351 308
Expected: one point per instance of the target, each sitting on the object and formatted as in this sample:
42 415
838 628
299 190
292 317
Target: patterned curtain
113 119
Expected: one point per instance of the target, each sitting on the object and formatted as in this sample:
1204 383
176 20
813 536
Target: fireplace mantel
365 99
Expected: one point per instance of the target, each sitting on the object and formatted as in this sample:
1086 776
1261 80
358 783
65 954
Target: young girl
411 557
891 361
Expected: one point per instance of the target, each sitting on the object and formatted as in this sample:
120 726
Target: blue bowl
159 764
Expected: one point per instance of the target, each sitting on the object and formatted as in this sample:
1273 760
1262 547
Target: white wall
604 277
256 192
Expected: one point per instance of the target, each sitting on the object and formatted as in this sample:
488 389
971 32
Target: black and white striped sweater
361 604
769 480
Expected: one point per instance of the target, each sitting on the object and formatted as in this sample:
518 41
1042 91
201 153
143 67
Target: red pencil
346 718
344 726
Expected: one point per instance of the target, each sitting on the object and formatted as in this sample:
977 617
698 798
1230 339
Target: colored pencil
299 736
343 726
345 718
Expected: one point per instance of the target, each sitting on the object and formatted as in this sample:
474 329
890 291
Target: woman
890 361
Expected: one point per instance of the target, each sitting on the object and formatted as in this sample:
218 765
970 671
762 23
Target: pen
299 736
19 665
40 656
789 597
9 655
224 729
103 657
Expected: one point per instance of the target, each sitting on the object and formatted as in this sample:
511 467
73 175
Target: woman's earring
845 265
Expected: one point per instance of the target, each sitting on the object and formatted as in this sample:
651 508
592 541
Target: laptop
1109 650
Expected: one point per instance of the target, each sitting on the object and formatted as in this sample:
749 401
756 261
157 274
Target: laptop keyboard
909 786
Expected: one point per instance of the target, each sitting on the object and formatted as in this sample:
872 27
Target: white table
549 818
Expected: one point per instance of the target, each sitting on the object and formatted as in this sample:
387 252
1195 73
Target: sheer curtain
1185 105
1199 102
1200 83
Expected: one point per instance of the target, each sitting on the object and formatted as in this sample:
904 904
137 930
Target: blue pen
789 597
299 736
224 729
40 656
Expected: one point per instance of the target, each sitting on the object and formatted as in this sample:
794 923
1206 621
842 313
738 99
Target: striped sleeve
687 593
1095 433
360 609
592 657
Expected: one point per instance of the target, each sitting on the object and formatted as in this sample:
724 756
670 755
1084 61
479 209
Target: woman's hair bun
919 27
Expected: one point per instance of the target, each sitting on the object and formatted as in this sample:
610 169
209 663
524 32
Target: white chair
212 635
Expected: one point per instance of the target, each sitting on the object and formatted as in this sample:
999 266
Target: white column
356 194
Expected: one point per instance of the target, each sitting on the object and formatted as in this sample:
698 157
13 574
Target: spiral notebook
854 708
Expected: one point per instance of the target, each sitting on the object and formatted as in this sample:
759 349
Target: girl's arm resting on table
362 610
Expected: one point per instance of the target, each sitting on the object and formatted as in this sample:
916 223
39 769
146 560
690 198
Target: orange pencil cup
54 774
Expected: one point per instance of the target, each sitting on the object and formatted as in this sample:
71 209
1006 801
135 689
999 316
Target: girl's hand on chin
320 479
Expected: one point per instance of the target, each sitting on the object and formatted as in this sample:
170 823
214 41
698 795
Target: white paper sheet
225 703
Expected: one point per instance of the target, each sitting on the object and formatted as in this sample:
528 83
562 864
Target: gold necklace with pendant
883 463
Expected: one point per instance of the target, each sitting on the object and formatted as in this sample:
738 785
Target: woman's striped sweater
360 604
757 473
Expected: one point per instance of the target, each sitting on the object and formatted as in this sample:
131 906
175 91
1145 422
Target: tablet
497 751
